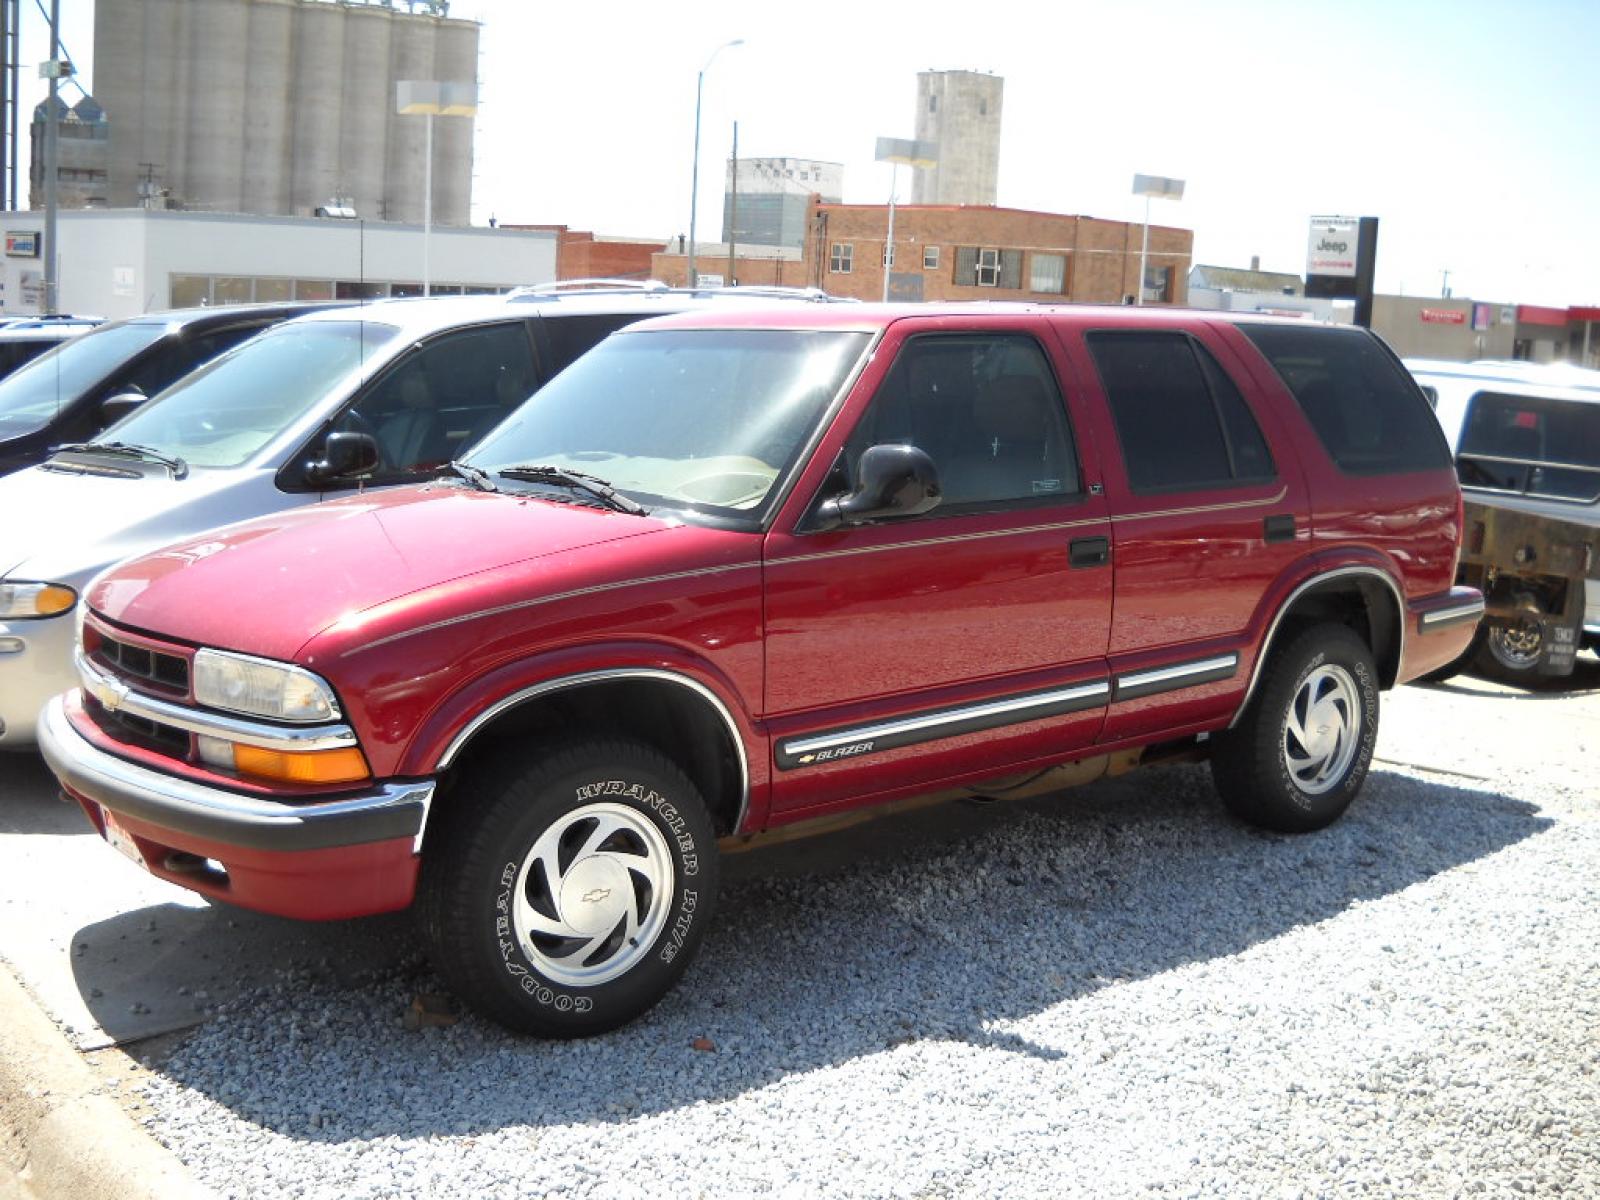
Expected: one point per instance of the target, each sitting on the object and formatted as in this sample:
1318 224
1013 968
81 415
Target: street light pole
429 99
694 171
427 208
1148 186
895 151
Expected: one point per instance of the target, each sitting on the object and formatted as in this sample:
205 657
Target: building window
189 291
983 107
988 271
1158 285
841 261
1047 273
888 257
930 258
933 103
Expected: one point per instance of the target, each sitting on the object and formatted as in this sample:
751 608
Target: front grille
152 733
141 662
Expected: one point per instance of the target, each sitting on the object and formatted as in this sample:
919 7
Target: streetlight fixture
694 173
914 154
1148 186
430 99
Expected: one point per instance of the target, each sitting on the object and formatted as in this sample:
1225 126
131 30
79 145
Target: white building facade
123 262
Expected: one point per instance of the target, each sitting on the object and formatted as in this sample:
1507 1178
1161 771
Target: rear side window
1180 420
1367 411
1535 446
571 337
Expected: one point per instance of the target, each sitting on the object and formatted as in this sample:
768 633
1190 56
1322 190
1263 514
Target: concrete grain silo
411 57
278 106
267 127
456 57
368 100
317 105
213 111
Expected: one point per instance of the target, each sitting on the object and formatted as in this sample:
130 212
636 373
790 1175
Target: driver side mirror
114 408
344 456
891 481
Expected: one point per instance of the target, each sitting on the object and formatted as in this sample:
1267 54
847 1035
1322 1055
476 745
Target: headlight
261 688
20 601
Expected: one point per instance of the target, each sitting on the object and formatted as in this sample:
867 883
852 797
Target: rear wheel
1511 653
1301 751
565 896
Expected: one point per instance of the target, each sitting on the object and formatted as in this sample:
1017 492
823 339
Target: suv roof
872 316
416 315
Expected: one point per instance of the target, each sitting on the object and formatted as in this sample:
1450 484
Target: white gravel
1120 993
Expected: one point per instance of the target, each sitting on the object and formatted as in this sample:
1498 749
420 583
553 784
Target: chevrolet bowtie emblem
595 895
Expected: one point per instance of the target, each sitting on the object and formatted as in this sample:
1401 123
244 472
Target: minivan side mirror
344 456
891 481
114 408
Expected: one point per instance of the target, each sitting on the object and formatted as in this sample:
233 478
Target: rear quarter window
1367 411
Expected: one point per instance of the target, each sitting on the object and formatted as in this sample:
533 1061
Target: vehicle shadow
1584 680
30 800
945 924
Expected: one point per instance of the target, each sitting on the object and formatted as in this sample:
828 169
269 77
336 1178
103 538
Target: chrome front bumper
383 813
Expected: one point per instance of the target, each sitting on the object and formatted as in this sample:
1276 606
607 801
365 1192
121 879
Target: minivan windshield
32 395
225 412
688 418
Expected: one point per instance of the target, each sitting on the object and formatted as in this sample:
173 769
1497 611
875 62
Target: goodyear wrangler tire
566 897
1300 753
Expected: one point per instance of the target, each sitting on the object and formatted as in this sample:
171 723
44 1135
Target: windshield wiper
473 475
592 484
172 462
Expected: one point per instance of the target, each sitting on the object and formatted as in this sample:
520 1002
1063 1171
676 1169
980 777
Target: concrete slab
115 955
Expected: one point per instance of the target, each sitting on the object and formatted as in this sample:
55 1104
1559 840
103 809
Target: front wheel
566 895
1300 753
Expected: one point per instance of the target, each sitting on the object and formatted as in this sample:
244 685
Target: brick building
582 255
966 252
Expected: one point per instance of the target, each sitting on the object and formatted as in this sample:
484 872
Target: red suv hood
267 586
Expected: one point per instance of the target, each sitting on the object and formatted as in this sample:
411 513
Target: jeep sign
1341 260
1332 248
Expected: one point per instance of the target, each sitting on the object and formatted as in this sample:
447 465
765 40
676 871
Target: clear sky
1470 128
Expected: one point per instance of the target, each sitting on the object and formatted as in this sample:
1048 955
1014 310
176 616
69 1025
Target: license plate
120 839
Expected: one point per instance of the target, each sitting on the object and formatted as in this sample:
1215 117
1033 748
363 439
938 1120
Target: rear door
1208 507
963 640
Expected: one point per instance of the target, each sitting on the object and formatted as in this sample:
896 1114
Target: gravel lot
1116 993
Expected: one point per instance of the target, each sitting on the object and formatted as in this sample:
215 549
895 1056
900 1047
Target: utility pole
733 207
53 70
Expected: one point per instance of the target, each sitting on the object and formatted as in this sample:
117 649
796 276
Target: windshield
228 410
1535 446
688 418
32 395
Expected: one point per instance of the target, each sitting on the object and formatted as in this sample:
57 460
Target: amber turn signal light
301 766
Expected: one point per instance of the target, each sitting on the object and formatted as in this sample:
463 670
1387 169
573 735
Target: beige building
279 107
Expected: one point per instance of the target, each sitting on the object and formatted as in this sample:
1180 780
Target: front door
955 642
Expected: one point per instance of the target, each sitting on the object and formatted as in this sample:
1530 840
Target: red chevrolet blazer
735 572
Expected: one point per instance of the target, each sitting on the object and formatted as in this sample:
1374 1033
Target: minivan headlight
260 688
22 601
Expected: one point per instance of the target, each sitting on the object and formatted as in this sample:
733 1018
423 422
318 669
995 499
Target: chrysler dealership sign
1332 248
